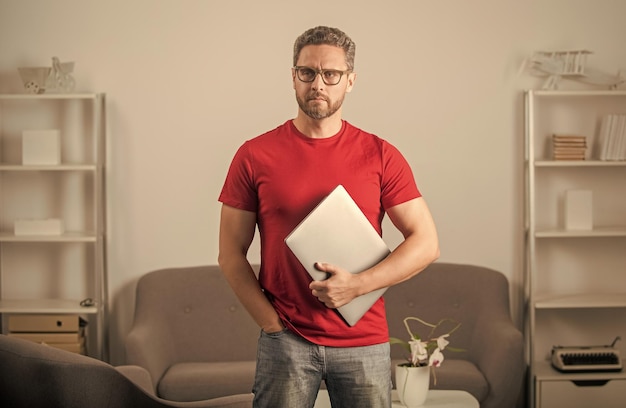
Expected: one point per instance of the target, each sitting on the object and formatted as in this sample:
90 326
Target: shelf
580 163
578 93
581 301
45 306
58 167
48 96
545 372
65 237
594 233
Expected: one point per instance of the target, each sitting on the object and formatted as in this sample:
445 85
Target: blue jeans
290 371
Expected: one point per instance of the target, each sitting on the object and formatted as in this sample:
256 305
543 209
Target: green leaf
405 344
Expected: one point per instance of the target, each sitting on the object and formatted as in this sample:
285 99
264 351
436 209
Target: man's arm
418 250
236 233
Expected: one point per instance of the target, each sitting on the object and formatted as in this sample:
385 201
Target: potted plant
413 377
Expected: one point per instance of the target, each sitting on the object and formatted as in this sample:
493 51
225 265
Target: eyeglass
329 76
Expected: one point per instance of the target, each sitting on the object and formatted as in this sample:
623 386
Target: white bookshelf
53 274
575 282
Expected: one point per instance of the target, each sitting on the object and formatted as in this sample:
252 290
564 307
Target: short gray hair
328 36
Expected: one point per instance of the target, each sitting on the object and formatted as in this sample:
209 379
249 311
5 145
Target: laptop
337 232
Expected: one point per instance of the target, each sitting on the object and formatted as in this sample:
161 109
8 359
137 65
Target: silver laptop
337 232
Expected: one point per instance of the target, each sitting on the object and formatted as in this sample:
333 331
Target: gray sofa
39 376
197 342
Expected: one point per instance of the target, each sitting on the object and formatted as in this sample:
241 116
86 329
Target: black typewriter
587 358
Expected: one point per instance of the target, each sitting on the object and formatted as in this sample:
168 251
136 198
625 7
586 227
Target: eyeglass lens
329 76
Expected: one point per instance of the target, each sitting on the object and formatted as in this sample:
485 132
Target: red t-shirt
281 176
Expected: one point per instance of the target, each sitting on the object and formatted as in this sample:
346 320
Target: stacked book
65 332
612 138
565 147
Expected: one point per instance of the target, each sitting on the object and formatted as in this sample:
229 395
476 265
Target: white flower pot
412 384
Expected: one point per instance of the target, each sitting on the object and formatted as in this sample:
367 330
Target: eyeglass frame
320 72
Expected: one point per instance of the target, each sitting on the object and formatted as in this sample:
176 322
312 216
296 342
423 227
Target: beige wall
188 81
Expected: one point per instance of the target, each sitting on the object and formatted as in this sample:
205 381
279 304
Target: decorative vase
412 384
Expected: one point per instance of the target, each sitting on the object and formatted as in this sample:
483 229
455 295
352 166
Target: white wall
189 81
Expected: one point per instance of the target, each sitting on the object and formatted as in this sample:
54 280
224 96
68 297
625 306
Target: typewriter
587 358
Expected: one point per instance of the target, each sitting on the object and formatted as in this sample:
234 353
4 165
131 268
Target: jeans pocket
275 334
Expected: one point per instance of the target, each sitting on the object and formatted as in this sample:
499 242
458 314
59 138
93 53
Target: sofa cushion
205 380
455 374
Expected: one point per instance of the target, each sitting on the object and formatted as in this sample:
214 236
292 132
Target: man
273 182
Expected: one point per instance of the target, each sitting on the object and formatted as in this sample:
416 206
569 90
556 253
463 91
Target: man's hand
339 289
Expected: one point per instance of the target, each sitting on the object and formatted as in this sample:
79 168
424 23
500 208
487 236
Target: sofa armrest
138 375
498 351
231 401
152 351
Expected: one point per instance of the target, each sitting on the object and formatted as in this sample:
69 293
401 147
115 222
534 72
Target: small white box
50 226
41 147
578 210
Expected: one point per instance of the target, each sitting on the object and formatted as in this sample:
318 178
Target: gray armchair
192 335
491 367
34 375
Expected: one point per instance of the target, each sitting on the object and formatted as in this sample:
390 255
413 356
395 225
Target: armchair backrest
35 375
475 296
195 309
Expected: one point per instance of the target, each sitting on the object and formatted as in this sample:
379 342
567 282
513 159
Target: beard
318 110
